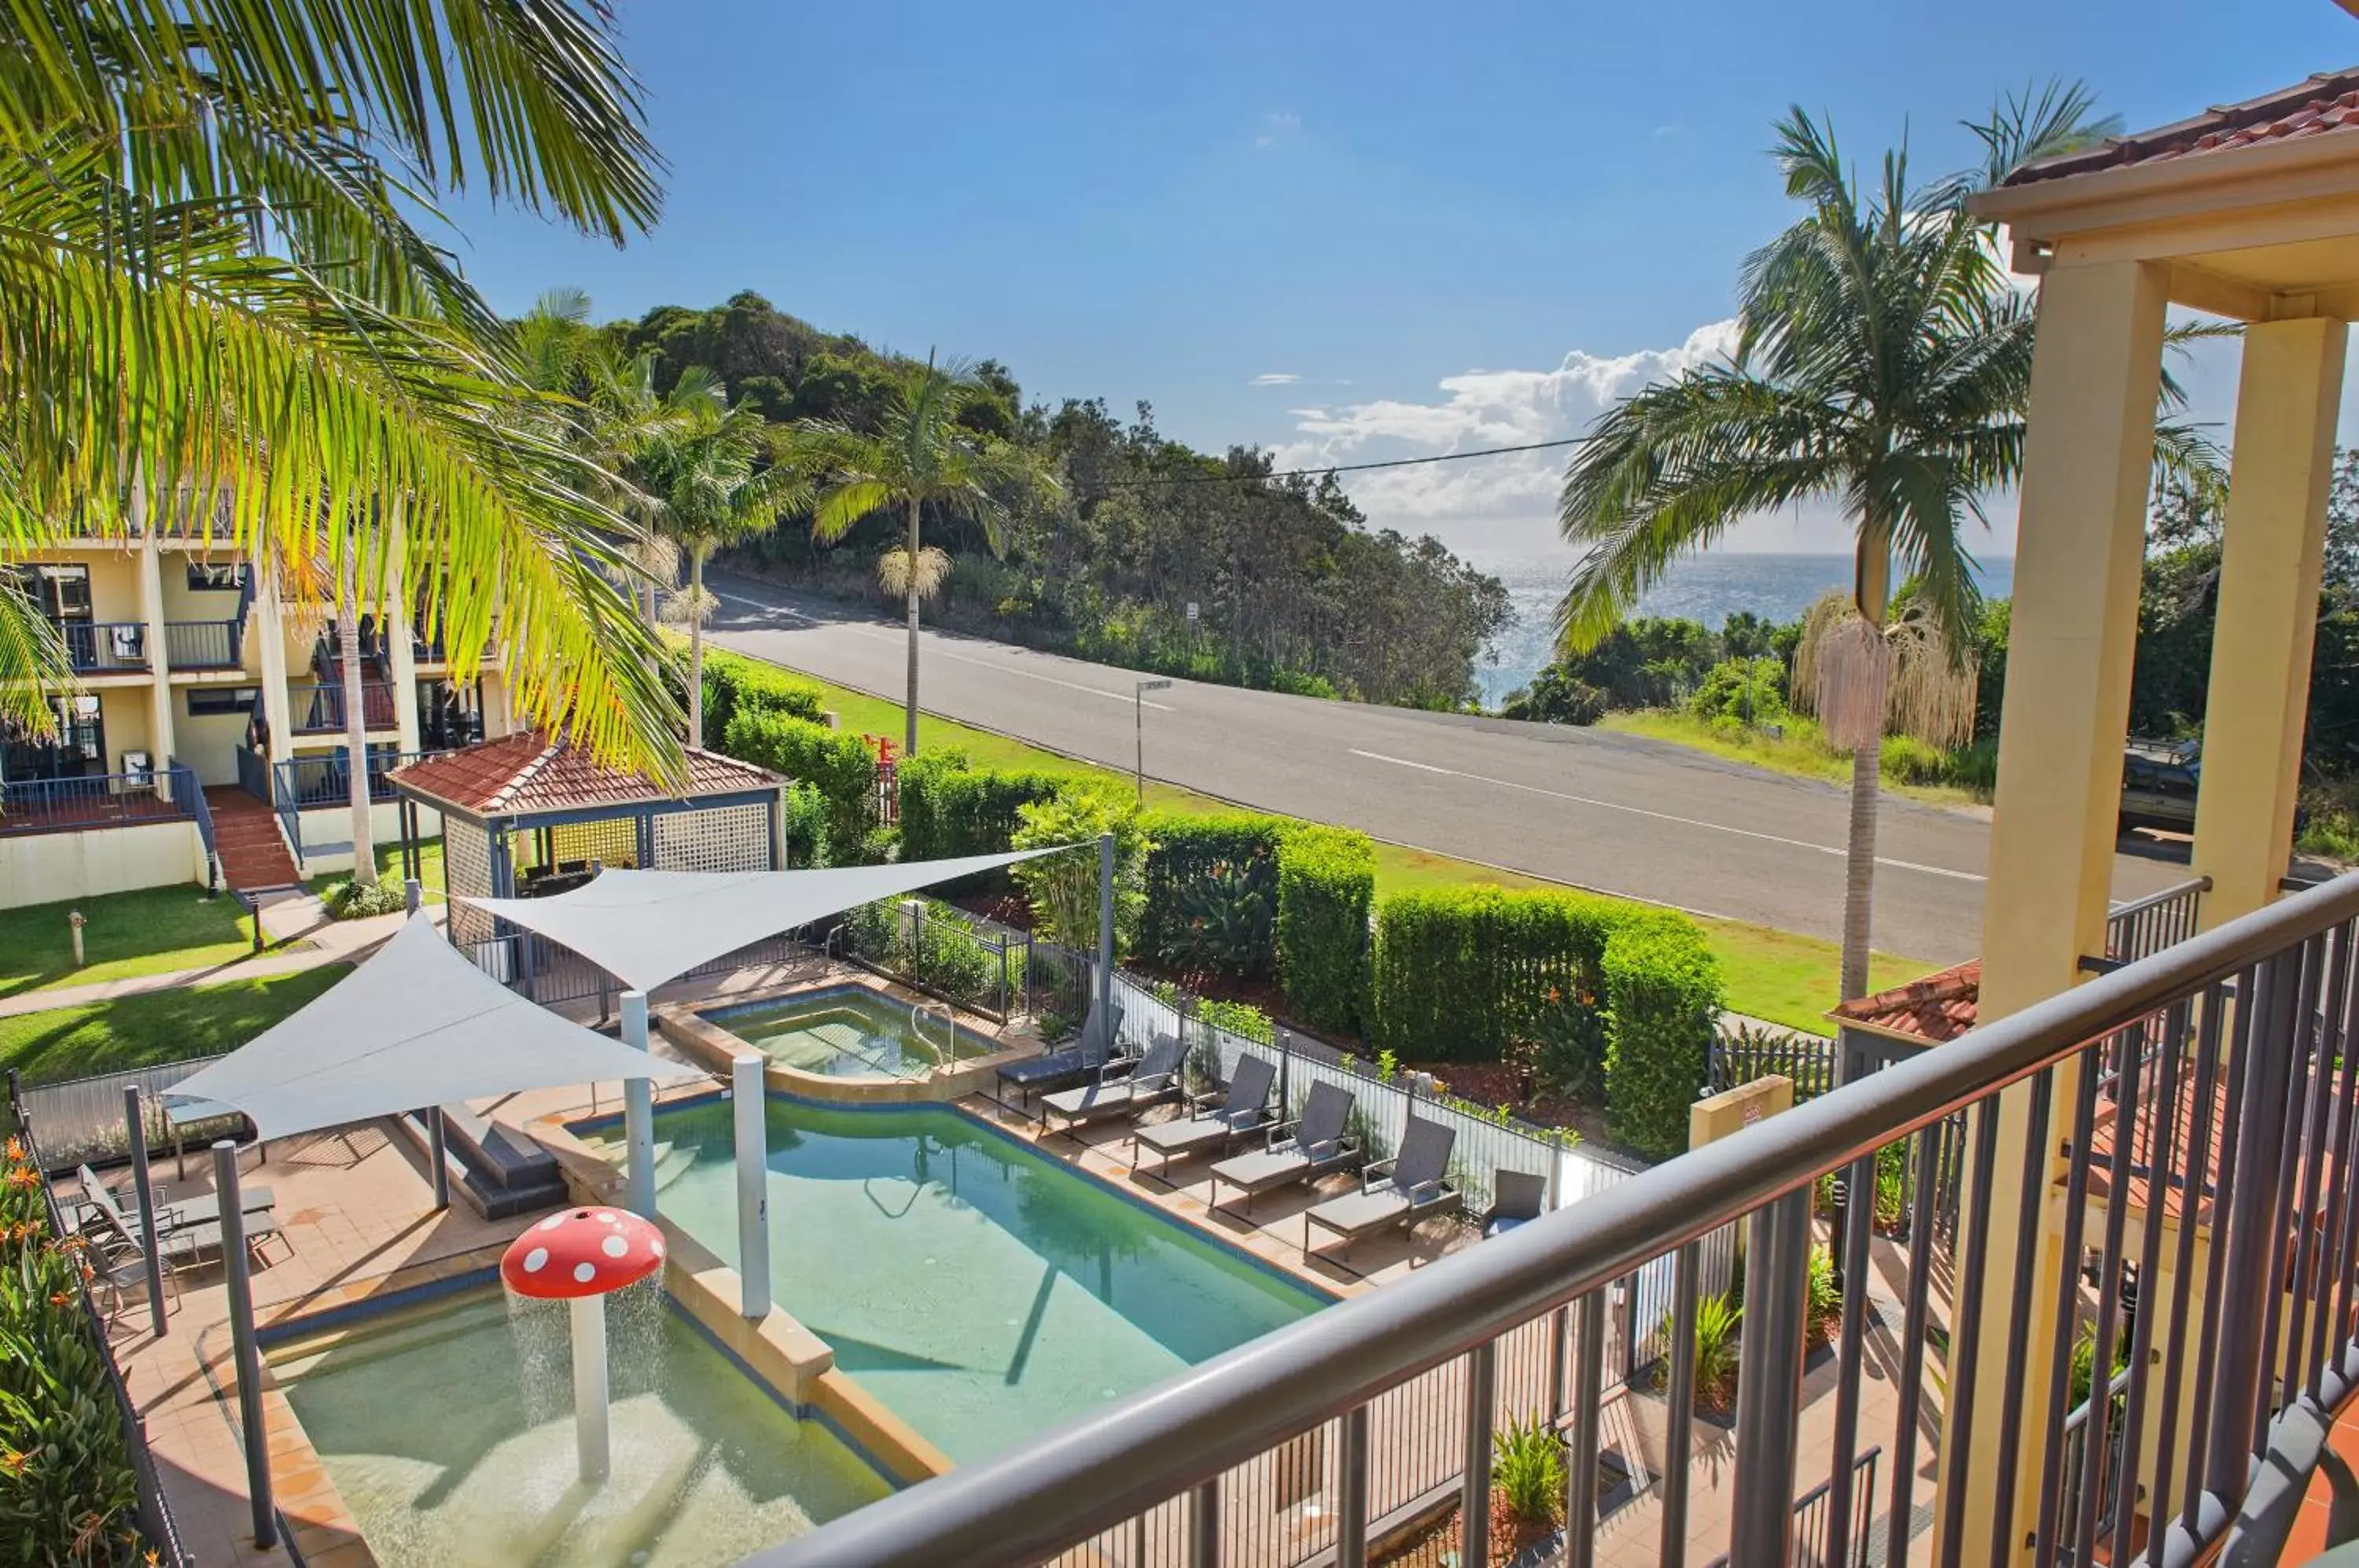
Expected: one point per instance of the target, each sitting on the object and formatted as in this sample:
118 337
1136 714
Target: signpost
1138 712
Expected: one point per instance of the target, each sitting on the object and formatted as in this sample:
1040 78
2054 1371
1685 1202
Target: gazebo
528 815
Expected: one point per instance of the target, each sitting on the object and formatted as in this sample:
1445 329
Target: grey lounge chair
1297 1151
1245 1109
1062 1069
1396 1192
181 1237
200 1208
1517 1198
1122 1089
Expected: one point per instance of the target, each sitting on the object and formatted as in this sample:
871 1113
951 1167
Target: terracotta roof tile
529 772
2327 103
1938 1007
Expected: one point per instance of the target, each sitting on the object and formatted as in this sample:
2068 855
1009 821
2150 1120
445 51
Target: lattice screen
467 870
727 838
612 842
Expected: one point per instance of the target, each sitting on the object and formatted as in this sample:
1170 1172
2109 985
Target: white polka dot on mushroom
552 1221
606 1217
536 1260
585 1273
614 1246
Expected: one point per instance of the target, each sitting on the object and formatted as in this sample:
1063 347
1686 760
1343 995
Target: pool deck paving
355 1207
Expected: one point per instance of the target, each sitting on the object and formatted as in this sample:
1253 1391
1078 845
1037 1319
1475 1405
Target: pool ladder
948 1050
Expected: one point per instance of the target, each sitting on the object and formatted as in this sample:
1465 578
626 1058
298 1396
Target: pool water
847 1032
449 1431
982 1292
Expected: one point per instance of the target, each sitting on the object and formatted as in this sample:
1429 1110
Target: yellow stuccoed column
2088 451
2287 400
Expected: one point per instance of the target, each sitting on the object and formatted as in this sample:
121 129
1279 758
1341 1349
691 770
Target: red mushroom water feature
582 1255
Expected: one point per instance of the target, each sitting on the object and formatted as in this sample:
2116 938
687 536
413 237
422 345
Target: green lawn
152 932
160 1026
1774 975
1800 755
388 869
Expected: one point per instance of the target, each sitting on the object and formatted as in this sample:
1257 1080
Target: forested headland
1292 590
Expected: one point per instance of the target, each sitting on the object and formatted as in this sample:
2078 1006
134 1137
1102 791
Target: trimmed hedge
1326 886
1212 892
949 808
840 767
734 684
1465 974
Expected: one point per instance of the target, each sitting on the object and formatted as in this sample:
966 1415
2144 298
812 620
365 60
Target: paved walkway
303 938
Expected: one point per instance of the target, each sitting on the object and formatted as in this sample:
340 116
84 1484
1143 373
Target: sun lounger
1516 1197
182 1237
199 1208
1297 1150
1245 1109
1062 1069
1396 1192
1121 1090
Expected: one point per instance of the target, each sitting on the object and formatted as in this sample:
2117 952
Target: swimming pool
981 1290
847 1031
448 1430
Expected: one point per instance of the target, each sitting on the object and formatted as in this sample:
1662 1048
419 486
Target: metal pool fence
81 1119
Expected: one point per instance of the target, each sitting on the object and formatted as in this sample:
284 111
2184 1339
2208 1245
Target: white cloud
1276 124
1497 502
1275 378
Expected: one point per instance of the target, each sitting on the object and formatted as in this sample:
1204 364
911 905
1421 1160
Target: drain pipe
753 1185
1105 1042
639 1112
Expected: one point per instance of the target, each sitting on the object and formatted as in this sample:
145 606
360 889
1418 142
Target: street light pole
1138 714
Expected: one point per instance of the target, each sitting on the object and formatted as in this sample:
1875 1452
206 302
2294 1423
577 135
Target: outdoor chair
118 1274
1297 1150
1218 1122
1062 1069
182 1238
1122 1089
1397 1192
1517 1198
200 1208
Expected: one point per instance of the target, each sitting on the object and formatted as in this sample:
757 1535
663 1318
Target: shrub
1212 893
1745 690
1824 1308
66 1491
840 767
1063 888
1662 999
734 684
805 818
350 900
1527 1472
1326 886
1715 1349
949 808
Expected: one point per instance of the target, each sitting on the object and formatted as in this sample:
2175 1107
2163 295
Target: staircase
246 838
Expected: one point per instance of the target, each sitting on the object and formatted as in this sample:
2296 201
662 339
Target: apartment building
205 738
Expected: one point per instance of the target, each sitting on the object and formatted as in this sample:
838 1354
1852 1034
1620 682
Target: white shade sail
417 1024
647 927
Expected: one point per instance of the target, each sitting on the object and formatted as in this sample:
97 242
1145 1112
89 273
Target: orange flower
59 1298
24 1176
13 1461
16 1151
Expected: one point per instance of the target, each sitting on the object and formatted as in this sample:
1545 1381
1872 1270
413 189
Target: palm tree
919 456
1884 362
702 469
211 284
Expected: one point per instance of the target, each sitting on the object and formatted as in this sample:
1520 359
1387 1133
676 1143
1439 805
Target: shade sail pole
639 1112
753 1185
1105 1033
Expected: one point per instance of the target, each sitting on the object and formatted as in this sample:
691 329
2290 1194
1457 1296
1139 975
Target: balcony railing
308 782
204 645
2229 1108
2144 927
97 800
320 710
101 648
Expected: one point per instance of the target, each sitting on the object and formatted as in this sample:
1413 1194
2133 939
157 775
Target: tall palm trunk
696 646
356 781
909 734
1872 588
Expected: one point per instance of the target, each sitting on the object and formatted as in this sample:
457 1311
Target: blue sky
1344 231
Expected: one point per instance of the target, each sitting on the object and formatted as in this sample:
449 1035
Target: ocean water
1707 588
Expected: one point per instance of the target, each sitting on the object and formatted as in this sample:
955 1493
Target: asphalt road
1613 812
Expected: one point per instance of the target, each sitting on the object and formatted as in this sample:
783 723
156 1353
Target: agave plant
1527 1478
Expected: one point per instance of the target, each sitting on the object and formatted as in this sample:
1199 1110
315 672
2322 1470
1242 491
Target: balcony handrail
1103 1468
2177 890
189 794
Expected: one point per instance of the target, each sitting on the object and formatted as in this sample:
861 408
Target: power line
1333 467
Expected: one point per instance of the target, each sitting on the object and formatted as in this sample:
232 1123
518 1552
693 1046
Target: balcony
2188 1123
205 645
105 648
320 710
306 782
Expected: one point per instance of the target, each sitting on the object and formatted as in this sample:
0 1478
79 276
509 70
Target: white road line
1125 698
1662 816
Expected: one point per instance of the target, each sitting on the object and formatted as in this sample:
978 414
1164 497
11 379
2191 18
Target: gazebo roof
1933 1010
2326 103
531 772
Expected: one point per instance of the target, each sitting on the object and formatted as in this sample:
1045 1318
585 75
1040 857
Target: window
206 578
238 700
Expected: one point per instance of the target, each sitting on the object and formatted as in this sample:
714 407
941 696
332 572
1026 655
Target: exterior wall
113 583
328 834
41 868
182 603
209 742
126 713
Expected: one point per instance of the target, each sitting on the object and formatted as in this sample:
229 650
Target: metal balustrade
320 709
104 647
2213 1082
93 800
204 645
308 782
2144 927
